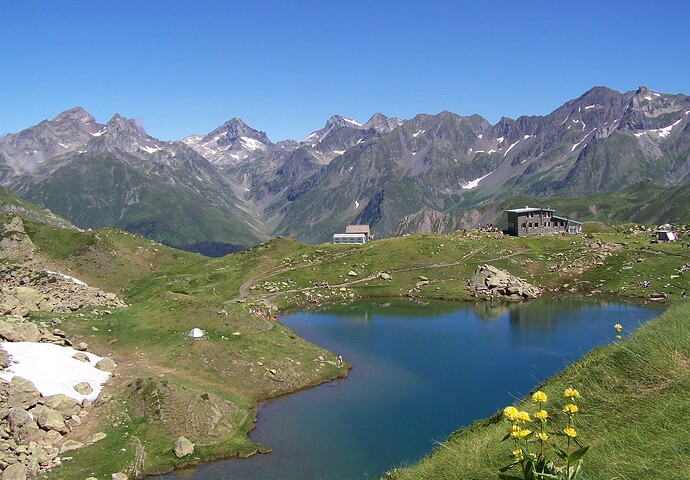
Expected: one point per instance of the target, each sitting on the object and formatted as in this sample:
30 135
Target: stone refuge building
538 220
353 234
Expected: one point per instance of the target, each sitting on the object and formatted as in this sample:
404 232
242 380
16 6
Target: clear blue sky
284 67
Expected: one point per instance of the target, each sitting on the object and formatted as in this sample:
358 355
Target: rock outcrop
32 427
15 244
491 281
24 289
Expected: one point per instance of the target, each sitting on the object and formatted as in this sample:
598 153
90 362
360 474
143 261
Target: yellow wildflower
618 337
570 431
518 455
571 393
511 413
542 436
618 327
523 416
512 428
538 397
524 433
570 409
541 414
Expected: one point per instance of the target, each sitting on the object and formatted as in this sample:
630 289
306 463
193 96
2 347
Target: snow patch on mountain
509 148
354 122
251 143
148 149
662 132
474 183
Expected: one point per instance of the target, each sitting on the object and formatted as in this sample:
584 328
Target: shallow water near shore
420 372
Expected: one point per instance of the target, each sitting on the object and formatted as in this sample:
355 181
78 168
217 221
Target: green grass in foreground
633 412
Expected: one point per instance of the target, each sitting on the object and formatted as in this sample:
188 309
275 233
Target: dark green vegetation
166 385
107 190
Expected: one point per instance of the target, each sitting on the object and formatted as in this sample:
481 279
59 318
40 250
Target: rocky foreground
32 426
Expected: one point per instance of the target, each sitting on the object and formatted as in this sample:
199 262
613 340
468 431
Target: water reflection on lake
420 371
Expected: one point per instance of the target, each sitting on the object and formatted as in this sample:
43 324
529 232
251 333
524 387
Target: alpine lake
419 372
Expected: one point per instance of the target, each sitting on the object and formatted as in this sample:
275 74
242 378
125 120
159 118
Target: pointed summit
232 131
335 122
382 124
231 143
340 121
75 114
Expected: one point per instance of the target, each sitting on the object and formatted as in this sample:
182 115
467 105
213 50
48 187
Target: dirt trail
268 298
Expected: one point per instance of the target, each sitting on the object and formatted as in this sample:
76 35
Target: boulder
490 280
27 332
29 297
106 364
19 331
7 330
22 426
11 306
83 388
96 437
48 439
42 457
81 356
81 346
352 273
67 406
22 393
49 419
384 276
16 471
68 445
183 447
118 476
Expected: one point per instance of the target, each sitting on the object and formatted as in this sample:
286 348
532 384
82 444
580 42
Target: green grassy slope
246 358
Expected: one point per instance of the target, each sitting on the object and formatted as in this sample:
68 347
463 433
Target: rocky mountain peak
231 143
382 124
125 134
233 130
34 146
74 115
340 121
120 124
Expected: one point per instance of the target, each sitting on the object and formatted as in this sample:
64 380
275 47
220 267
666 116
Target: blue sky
284 67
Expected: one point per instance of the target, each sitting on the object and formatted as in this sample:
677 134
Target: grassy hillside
247 358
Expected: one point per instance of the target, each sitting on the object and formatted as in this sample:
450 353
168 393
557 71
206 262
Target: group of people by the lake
264 312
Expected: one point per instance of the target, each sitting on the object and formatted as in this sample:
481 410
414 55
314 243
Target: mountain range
234 187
